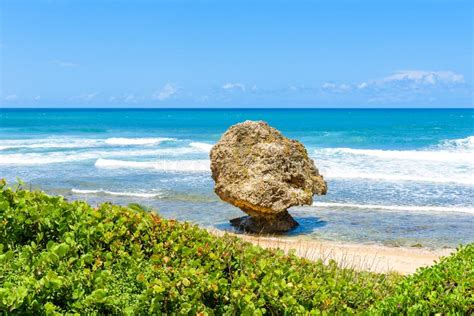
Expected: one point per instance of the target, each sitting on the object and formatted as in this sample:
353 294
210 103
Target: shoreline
362 257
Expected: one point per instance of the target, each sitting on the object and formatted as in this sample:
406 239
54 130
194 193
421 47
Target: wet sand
375 258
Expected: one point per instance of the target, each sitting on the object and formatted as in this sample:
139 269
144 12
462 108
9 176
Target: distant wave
48 143
71 156
452 161
447 150
458 145
73 142
161 165
424 155
465 179
134 194
202 146
469 210
44 158
137 141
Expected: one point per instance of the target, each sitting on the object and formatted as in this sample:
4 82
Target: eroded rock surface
263 173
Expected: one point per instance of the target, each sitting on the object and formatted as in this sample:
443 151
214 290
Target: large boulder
263 173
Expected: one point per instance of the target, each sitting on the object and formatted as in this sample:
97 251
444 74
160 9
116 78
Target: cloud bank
399 88
229 86
168 91
401 79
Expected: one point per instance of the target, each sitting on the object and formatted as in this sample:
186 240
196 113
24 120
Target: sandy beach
375 258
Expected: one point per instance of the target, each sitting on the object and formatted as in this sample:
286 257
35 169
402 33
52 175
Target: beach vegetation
446 288
61 257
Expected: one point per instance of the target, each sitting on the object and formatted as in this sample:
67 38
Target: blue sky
236 53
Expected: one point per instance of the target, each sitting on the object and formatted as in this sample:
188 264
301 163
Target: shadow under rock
306 226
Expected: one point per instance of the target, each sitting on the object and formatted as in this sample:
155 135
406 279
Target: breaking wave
423 155
101 191
201 146
70 156
137 141
48 143
72 142
433 177
452 161
448 150
43 159
460 209
160 165
458 145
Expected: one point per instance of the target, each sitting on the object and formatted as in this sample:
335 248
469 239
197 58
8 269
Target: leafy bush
446 287
68 257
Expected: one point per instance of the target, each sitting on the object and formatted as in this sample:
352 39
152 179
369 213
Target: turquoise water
396 177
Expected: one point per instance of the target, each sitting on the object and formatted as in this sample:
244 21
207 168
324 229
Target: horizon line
236 108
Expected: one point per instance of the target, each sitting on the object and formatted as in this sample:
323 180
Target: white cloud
168 91
64 63
126 97
330 86
400 87
406 79
37 97
130 98
85 97
233 86
11 97
300 88
362 85
424 77
345 86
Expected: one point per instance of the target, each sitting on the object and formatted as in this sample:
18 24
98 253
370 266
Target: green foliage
60 257
446 288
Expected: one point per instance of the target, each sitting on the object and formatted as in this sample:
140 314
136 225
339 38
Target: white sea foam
160 165
457 150
423 155
73 142
120 141
42 159
451 162
71 156
133 194
432 177
458 145
201 146
49 143
460 209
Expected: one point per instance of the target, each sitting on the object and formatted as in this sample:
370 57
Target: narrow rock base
282 223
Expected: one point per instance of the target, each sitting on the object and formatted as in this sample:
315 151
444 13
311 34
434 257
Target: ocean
398 177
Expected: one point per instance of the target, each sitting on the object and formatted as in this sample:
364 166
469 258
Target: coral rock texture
263 173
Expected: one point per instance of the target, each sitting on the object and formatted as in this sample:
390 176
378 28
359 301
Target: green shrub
446 287
68 257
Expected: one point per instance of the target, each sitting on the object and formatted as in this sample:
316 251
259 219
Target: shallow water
396 177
